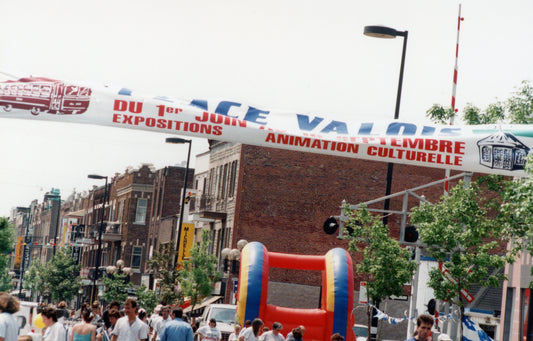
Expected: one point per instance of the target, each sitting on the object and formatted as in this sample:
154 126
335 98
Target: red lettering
138 119
395 142
120 105
445 146
459 147
420 156
116 118
203 118
431 144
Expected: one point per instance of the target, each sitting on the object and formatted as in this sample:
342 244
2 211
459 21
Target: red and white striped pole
454 89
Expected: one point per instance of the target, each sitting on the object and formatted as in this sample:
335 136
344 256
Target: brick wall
284 197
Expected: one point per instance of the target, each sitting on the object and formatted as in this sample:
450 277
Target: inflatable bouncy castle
335 312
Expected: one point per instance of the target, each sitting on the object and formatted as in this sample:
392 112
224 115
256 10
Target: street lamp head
225 253
98 177
382 32
241 244
235 255
176 140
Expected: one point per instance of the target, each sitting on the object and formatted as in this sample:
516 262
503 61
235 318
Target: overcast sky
298 55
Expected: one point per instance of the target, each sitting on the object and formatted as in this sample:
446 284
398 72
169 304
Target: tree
199 272
517 208
61 275
115 287
517 109
147 299
386 265
7 238
467 234
32 279
162 263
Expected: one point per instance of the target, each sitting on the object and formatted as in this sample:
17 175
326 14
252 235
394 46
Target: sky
304 56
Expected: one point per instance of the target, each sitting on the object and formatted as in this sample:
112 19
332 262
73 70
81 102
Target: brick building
282 198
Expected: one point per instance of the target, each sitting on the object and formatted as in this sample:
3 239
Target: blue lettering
304 124
428 130
254 115
224 107
450 131
395 128
366 128
337 127
200 103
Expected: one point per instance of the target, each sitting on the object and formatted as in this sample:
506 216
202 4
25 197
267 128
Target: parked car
225 316
361 332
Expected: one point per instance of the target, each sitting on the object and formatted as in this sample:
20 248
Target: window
233 178
120 215
140 212
136 256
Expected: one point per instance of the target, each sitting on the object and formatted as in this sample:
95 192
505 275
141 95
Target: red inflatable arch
335 312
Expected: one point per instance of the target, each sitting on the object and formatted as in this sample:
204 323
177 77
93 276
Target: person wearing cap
424 323
210 332
444 337
274 334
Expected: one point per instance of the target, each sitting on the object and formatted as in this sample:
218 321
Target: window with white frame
140 212
136 255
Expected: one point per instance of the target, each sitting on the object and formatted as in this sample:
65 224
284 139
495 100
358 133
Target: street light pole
390 33
55 197
176 140
100 229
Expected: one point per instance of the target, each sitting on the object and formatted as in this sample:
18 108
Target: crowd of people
133 324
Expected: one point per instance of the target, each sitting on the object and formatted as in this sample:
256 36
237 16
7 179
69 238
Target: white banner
497 149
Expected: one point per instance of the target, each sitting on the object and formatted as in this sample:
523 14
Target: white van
225 316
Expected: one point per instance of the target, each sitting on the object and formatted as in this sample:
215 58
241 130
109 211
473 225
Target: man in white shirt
161 321
129 327
274 334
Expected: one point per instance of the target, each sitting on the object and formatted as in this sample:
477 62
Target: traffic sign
467 296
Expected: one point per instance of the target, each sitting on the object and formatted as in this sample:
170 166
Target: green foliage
463 231
199 272
162 263
148 299
439 114
517 109
61 276
5 280
32 279
386 265
7 236
517 210
520 105
115 287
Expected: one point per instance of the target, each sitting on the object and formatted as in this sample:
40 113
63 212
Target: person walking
84 331
274 334
424 323
129 327
210 332
113 315
55 331
159 322
177 329
236 331
9 327
252 333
